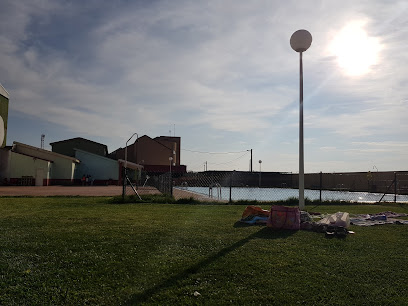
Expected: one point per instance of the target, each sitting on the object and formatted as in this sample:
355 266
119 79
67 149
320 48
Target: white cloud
222 69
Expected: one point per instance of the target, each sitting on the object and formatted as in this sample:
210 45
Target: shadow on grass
403 205
264 233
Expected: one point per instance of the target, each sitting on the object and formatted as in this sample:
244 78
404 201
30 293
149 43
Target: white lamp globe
301 40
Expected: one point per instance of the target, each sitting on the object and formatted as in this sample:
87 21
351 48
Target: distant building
4 103
22 164
101 170
68 146
155 154
95 162
26 165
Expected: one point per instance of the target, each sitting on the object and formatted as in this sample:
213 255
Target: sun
355 50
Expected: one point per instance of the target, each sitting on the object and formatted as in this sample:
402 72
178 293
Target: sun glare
356 52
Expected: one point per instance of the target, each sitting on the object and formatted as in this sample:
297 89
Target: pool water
280 194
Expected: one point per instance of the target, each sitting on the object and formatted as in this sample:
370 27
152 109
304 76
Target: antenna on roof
42 141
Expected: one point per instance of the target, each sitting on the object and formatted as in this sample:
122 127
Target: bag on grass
283 217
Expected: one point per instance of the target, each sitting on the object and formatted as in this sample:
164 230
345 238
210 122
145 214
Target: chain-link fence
229 186
147 183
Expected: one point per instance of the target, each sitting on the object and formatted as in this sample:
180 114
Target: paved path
91 191
102 191
179 194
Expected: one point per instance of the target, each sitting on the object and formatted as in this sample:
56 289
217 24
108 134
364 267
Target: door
39 177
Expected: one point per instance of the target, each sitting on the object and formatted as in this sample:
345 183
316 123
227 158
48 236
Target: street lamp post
170 160
125 172
250 165
300 41
137 136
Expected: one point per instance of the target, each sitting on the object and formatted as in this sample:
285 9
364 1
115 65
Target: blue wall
99 167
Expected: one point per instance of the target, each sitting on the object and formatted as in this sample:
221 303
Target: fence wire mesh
228 186
136 184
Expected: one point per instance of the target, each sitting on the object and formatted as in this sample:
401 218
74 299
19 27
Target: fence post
171 184
395 187
230 194
124 183
321 184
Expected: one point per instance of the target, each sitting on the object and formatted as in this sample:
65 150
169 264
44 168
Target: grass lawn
77 250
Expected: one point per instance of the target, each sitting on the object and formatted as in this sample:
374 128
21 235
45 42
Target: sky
219 74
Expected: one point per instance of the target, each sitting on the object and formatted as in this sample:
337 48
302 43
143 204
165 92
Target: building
156 155
102 170
94 161
22 164
26 165
68 146
4 103
66 164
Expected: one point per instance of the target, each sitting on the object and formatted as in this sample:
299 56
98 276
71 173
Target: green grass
90 251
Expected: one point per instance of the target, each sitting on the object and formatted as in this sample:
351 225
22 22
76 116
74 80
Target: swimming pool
280 194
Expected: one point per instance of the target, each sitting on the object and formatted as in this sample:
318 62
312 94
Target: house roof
156 140
138 139
93 154
50 153
79 138
29 155
4 92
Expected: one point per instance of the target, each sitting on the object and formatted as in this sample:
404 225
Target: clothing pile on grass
255 215
386 217
333 225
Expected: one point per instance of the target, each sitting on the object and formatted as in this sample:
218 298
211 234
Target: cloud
389 144
214 68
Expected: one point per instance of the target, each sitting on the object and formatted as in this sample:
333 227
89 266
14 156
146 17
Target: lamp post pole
125 166
300 41
301 144
250 162
137 136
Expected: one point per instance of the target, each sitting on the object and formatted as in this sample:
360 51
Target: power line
212 152
219 164
230 160
197 166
